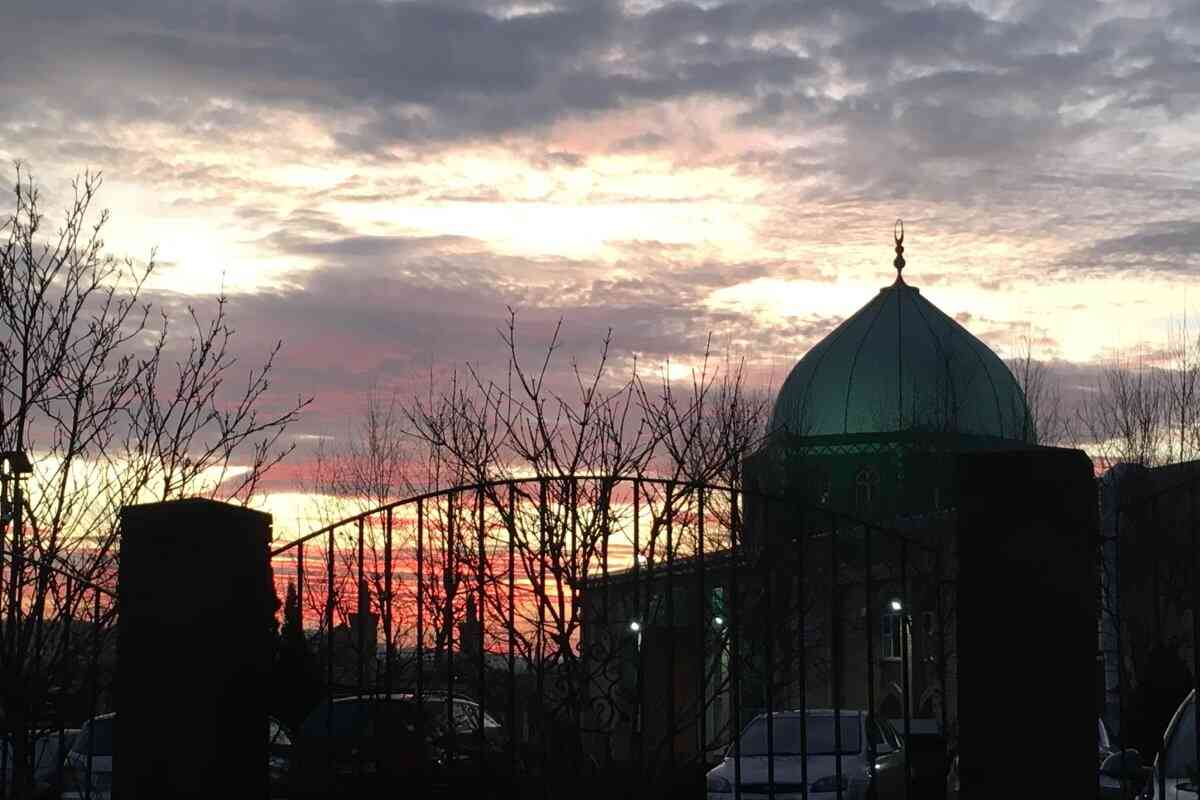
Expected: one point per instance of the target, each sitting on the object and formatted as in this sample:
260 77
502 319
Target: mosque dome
901 364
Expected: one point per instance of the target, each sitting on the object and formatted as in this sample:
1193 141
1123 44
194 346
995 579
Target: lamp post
897 606
14 468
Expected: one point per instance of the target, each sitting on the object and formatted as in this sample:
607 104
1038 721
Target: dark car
360 746
929 761
280 759
1122 775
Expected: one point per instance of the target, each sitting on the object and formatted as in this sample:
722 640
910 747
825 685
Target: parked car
927 754
869 751
1121 776
1103 740
49 749
95 738
1173 775
279 760
97 734
359 746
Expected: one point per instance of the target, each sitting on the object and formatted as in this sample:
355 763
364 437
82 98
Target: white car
1170 778
48 752
76 770
869 751
96 734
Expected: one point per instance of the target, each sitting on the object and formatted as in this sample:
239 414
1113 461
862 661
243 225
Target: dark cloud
388 71
927 100
1170 246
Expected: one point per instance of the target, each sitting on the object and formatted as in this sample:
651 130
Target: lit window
891 629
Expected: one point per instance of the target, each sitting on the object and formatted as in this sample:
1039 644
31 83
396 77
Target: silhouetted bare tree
576 522
1047 420
111 410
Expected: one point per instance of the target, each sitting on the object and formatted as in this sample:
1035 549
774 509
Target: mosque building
841 590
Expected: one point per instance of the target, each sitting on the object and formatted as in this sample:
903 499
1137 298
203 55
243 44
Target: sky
375 183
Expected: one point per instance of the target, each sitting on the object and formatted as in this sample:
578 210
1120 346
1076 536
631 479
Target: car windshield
819 736
96 734
355 717
466 716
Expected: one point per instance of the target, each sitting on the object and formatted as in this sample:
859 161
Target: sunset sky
374 182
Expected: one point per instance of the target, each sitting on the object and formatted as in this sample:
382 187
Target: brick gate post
193 651
1026 626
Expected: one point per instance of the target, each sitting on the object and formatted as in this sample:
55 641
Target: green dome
900 364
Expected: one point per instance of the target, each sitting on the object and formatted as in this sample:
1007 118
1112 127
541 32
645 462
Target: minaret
365 621
470 630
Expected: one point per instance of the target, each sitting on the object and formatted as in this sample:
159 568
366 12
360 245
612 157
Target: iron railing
629 628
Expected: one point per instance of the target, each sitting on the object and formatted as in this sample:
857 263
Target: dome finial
898 233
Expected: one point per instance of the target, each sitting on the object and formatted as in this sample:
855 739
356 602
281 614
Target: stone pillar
1026 624
193 651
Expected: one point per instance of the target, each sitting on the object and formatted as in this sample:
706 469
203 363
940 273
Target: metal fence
622 631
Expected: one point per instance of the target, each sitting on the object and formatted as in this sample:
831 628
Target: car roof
425 697
920 726
112 715
813 712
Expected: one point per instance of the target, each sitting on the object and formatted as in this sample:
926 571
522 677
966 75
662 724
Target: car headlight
830 783
719 785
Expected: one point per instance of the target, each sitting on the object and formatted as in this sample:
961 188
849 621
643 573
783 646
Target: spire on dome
898 233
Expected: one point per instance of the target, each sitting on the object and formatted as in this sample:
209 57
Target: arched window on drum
866 490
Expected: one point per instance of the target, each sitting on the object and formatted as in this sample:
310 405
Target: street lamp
17 461
719 622
636 627
898 608
15 467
